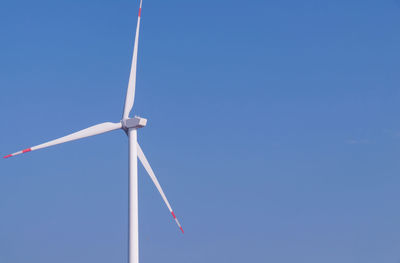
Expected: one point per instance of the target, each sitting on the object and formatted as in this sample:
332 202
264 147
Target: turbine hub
134 123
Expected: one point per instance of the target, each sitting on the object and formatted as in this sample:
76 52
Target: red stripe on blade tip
140 11
26 150
183 232
7 156
173 214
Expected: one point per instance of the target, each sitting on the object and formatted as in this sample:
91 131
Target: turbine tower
130 126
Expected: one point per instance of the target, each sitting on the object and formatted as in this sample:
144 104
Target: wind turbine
130 126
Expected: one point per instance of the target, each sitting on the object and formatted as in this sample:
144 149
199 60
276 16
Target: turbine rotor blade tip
177 222
17 153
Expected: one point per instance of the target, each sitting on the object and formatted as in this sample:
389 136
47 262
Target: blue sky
272 126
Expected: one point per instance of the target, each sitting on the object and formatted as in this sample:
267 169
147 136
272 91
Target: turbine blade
130 93
153 177
91 131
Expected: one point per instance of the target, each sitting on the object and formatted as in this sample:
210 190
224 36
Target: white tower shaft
133 199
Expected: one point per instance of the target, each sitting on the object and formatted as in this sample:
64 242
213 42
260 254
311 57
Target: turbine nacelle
134 123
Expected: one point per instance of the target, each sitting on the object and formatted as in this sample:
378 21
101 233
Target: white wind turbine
130 126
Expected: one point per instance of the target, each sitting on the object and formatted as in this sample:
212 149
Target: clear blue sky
273 128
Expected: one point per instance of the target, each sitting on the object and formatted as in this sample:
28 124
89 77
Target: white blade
91 131
130 93
153 177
